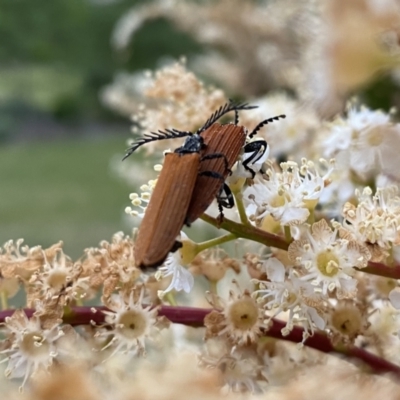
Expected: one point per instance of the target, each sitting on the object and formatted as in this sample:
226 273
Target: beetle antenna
265 122
153 136
224 110
236 120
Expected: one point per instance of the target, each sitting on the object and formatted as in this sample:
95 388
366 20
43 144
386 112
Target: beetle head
193 144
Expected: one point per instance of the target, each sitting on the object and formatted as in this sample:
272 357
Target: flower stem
171 299
241 209
248 232
215 242
213 287
4 300
288 235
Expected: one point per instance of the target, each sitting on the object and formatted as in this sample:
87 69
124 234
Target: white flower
131 324
242 317
288 195
394 297
32 347
290 294
61 277
328 260
376 218
239 366
367 142
340 189
182 279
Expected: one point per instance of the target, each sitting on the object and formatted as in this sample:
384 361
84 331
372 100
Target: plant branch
382 270
268 239
248 232
195 317
215 242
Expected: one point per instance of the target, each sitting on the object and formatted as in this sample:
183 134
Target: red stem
382 270
195 317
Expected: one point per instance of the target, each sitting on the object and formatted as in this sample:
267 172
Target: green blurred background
56 138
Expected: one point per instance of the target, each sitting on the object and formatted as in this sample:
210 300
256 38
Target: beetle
191 178
168 206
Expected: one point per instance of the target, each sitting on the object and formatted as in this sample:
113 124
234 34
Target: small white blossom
328 260
33 348
239 366
376 218
366 141
131 324
288 195
394 297
182 279
292 294
61 276
242 317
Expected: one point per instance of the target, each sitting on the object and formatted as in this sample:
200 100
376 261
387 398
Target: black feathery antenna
175 133
151 137
236 120
228 107
266 121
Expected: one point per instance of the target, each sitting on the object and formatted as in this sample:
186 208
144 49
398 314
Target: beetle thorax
193 144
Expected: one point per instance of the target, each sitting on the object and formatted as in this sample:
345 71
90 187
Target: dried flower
241 320
131 324
31 347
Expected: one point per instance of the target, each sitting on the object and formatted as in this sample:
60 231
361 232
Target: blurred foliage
61 191
382 93
56 55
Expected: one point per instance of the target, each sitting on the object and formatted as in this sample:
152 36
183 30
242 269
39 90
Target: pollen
33 344
243 313
278 200
327 263
132 324
347 320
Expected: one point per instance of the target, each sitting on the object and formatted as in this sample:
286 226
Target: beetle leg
211 174
225 196
217 155
224 200
257 148
176 246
